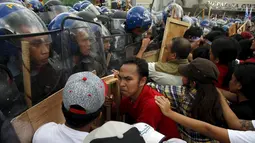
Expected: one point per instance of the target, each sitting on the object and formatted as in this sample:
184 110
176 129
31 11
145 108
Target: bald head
181 47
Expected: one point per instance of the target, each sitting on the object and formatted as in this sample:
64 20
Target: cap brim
183 69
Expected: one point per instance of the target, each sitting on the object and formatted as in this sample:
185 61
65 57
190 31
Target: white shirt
163 78
58 133
242 136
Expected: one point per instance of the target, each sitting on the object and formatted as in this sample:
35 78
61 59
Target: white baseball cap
119 132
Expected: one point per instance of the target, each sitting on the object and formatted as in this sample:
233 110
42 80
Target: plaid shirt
180 98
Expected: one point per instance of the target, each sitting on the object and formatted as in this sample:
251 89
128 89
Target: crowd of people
203 92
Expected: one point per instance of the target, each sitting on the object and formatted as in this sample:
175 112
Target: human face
234 85
83 42
107 45
129 81
39 49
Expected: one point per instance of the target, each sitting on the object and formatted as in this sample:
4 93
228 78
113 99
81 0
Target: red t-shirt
144 109
223 69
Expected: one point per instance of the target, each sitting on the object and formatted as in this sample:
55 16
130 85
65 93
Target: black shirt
244 110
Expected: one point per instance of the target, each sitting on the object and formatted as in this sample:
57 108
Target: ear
142 81
174 55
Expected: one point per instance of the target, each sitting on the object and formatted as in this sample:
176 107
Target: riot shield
26 50
117 50
37 69
83 46
12 103
117 24
133 49
91 8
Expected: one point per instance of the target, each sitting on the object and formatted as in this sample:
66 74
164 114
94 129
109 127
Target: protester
201 52
167 72
119 132
193 34
238 37
213 35
223 53
197 97
138 99
83 98
243 83
217 133
247 35
245 52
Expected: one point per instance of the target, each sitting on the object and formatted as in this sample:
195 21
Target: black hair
142 66
181 47
213 35
238 37
206 105
245 51
78 121
220 29
226 50
244 74
193 32
201 52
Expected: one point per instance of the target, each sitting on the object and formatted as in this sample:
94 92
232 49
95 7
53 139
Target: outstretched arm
206 129
232 120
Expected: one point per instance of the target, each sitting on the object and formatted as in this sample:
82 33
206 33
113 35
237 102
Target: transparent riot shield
12 103
117 24
26 51
36 67
115 45
83 46
91 8
51 12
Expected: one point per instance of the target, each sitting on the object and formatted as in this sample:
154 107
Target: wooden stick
209 13
203 13
199 13
26 72
127 5
173 13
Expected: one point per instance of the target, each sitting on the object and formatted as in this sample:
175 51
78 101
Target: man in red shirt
138 101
